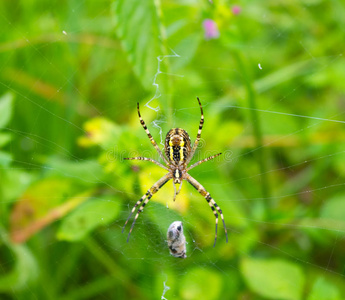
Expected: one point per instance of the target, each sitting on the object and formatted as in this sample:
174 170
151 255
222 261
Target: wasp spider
178 153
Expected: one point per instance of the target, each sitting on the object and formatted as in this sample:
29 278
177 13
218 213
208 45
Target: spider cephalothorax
178 153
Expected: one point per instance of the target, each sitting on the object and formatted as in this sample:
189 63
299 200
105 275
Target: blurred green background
270 76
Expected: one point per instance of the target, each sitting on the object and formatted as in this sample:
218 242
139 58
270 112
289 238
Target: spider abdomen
177 146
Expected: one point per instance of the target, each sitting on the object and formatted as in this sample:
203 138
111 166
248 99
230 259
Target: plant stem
114 269
260 150
165 63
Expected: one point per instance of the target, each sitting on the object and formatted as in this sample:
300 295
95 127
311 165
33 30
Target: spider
178 153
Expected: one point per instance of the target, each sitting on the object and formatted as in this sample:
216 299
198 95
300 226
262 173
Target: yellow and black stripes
147 159
146 198
177 146
201 124
202 161
153 142
210 202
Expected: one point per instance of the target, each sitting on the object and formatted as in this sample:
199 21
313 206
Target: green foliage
334 208
6 104
193 285
323 290
25 269
138 26
271 82
87 217
274 278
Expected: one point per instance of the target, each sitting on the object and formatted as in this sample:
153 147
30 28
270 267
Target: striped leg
210 202
146 198
202 161
147 159
153 142
198 135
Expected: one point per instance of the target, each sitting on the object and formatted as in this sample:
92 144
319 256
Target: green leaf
42 203
334 208
13 183
197 282
138 25
273 278
187 47
4 139
25 268
323 290
84 219
5 109
87 171
282 75
5 159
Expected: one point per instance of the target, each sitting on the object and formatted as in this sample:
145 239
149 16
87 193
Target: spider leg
202 161
198 135
147 159
153 142
146 198
210 202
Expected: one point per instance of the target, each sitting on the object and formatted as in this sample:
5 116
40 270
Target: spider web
199 252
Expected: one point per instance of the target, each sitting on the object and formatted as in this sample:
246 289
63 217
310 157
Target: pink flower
236 9
211 29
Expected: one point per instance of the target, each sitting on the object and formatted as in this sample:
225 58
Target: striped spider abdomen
177 146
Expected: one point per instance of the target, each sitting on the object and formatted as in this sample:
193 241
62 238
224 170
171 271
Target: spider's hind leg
144 200
215 208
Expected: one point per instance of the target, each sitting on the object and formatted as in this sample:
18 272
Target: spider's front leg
210 202
147 159
191 154
144 200
153 142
